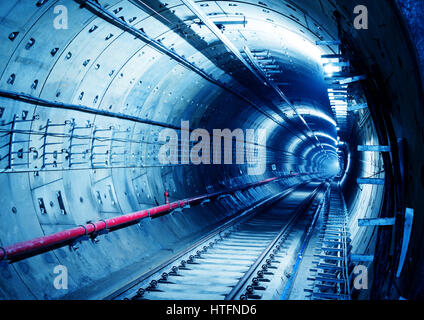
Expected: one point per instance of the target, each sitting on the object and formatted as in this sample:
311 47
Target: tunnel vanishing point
197 149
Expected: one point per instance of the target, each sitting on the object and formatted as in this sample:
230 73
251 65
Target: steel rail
140 287
234 219
299 210
288 286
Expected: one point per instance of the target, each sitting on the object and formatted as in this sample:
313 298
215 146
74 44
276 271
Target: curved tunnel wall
87 69
94 63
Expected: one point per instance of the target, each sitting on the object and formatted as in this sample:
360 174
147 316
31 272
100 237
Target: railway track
330 277
247 258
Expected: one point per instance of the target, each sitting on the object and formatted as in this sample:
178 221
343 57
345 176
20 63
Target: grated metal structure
329 276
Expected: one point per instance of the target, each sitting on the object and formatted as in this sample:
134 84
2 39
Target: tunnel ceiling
95 63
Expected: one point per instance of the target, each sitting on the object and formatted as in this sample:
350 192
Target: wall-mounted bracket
337 64
223 196
74 246
361 257
357 107
205 201
376 148
94 236
328 43
407 228
374 181
177 210
332 56
376 222
180 209
352 79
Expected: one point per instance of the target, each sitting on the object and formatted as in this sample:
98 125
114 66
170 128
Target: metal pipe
30 247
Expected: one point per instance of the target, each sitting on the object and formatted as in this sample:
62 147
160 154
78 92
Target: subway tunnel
113 115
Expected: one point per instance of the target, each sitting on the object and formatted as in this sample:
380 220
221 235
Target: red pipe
27 247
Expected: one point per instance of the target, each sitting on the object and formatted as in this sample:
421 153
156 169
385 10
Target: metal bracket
180 209
409 217
376 222
328 43
94 235
357 107
376 148
361 258
223 196
74 246
375 181
352 79
205 201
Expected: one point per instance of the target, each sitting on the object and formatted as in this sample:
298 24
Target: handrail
48 242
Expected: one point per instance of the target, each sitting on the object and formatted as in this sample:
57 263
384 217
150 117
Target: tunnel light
346 171
228 19
337 63
330 69
307 151
330 66
294 41
325 135
316 154
294 144
304 110
269 126
338 95
328 145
